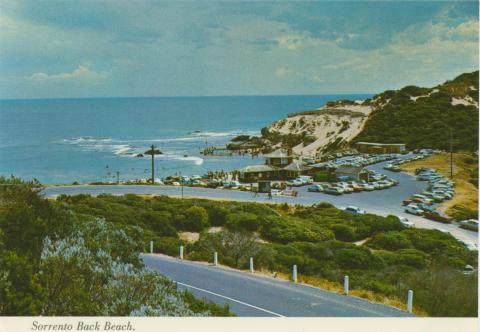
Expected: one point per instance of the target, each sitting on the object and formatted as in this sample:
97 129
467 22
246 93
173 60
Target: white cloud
291 42
80 73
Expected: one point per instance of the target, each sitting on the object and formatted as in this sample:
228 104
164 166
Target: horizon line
191 96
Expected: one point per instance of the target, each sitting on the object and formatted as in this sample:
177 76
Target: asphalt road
380 202
261 296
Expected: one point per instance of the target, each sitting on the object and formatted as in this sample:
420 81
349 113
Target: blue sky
63 49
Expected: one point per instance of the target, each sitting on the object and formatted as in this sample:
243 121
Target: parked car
425 207
346 189
405 222
333 191
413 209
315 188
470 245
407 201
354 210
357 187
468 269
422 199
276 192
295 183
470 224
437 216
306 179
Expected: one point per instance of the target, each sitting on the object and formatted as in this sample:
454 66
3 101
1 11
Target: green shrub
160 222
343 232
217 215
243 220
357 258
196 219
390 241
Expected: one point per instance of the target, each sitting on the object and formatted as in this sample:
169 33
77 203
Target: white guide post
345 285
181 252
215 258
251 264
294 273
151 247
410 301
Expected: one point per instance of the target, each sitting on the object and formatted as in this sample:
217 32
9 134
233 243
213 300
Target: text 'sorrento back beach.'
250 159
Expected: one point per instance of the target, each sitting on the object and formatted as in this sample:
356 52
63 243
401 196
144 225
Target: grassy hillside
382 257
423 117
419 117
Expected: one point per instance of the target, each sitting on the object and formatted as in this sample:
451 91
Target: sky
76 49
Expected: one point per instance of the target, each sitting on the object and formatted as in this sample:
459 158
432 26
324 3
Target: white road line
229 298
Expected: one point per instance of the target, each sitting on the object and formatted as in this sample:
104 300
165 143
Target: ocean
59 141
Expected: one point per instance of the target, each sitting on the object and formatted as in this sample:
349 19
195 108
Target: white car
354 210
470 245
413 209
295 183
468 269
405 222
276 192
305 179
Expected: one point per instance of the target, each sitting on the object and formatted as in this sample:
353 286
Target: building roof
380 144
280 153
257 168
349 169
296 166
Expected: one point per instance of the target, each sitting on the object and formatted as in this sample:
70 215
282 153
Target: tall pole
181 182
153 164
451 153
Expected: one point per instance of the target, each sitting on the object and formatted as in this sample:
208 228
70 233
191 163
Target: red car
407 201
437 216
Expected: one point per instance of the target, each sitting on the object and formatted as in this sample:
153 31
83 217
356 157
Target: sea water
85 140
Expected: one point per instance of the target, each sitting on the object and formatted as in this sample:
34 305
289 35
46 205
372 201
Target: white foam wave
87 139
196 160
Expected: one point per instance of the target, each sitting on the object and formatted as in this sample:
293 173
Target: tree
196 219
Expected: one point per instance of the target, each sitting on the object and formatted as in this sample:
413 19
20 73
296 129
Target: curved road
381 202
255 295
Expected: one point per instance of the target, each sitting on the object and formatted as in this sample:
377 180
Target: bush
217 215
412 257
324 176
243 220
343 232
196 219
160 222
357 259
390 241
